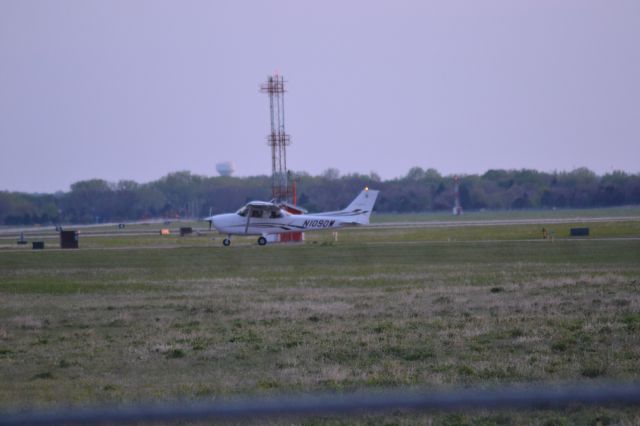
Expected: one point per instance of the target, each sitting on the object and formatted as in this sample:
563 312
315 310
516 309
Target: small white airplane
266 218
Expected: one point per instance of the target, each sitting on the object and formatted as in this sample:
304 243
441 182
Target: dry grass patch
216 323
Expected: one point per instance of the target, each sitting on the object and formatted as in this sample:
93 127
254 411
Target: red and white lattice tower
278 139
282 191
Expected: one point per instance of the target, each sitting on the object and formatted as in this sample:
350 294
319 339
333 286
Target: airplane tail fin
360 208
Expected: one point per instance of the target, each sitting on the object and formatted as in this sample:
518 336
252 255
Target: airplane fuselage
266 218
234 224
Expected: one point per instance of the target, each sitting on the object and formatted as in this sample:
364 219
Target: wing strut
249 213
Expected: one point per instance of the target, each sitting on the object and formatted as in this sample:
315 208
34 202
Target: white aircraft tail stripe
360 208
358 211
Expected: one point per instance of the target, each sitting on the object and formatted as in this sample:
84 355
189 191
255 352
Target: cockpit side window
275 214
242 212
256 213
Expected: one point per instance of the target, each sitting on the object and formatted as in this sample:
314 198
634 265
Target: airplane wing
262 205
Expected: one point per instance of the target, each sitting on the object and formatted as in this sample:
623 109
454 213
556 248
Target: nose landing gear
226 242
262 241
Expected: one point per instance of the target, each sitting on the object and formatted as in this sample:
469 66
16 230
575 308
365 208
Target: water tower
226 168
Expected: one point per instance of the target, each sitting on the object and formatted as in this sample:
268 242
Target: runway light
366 188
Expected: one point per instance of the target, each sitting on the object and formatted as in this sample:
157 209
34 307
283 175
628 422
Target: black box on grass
579 232
68 239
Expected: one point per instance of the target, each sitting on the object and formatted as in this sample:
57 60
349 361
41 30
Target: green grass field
165 318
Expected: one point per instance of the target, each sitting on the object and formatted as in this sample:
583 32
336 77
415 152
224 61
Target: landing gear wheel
262 241
226 242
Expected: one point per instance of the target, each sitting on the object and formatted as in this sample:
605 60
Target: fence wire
259 408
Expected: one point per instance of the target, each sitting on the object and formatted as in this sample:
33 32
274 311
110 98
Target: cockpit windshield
271 212
275 214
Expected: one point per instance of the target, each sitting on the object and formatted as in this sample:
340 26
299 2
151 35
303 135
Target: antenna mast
278 138
457 207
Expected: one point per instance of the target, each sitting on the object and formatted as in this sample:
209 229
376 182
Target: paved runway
499 222
111 230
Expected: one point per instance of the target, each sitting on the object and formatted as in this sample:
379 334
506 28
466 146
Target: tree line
182 194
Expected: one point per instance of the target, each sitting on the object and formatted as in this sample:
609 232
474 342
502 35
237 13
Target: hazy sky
136 89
